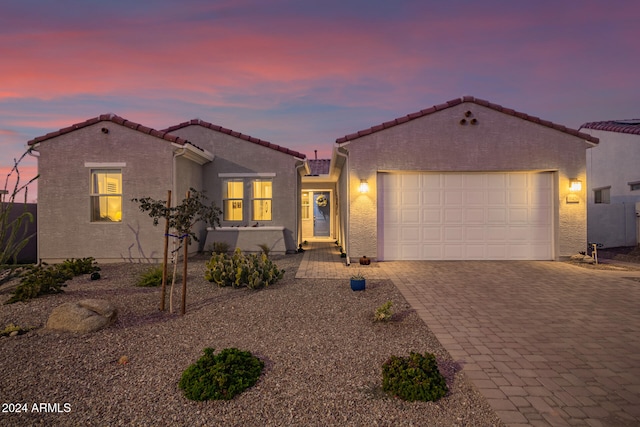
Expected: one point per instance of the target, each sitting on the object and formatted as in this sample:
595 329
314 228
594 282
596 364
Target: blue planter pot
358 284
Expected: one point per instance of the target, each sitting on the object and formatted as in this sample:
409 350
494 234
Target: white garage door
465 216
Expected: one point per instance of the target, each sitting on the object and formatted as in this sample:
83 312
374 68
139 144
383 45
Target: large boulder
83 316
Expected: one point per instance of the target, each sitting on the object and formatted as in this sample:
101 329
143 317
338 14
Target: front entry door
316 214
321 214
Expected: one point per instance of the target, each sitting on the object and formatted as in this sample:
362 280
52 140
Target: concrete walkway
547 343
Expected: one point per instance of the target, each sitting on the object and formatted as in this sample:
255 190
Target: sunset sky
301 73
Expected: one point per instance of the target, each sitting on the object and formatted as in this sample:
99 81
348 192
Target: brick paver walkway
547 343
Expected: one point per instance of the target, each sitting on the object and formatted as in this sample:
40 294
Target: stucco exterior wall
237 156
65 229
189 175
614 162
438 142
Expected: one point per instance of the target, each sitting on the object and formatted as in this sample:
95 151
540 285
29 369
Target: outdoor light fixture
575 184
364 186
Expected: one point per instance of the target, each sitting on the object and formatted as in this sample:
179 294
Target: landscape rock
83 316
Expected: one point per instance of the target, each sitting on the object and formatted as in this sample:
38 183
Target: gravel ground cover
323 356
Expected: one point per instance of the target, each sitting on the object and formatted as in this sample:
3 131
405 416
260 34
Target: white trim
189 151
247 175
105 164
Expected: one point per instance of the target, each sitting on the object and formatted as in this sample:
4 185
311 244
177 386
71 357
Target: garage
465 216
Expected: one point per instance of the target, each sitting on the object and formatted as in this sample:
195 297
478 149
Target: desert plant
253 270
219 247
384 312
413 378
14 229
150 278
41 279
265 248
80 266
180 218
220 376
12 329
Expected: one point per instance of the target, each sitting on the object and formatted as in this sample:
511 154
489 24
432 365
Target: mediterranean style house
613 190
90 171
467 179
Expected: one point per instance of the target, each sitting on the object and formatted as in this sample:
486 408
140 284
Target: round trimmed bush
221 376
413 378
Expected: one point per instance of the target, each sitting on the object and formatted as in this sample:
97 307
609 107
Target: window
106 195
233 194
601 195
634 186
306 205
261 203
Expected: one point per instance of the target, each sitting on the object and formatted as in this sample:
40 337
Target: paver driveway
547 343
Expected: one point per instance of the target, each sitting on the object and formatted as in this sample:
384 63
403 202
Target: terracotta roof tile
115 119
474 100
239 135
621 126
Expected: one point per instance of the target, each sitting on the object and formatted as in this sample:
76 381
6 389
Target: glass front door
321 214
316 214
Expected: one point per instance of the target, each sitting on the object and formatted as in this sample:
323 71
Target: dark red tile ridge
199 122
110 117
620 126
457 101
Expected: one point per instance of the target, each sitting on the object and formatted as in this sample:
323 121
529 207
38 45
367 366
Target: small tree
181 219
14 233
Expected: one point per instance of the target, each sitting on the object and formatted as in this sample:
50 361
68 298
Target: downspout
303 164
174 181
345 244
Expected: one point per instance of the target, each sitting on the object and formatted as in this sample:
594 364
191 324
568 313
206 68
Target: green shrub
44 279
41 279
14 329
413 378
384 312
254 271
220 376
150 278
80 266
265 248
219 247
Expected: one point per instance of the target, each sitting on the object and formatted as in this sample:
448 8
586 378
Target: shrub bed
413 378
221 376
254 270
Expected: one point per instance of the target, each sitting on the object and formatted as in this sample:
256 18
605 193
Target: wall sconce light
364 186
575 185
105 130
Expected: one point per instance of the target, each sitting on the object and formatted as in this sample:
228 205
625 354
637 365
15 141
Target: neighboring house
467 179
613 190
90 171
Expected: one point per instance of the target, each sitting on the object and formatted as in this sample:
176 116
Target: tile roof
621 126
115 119
217 128
457 101
319 166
